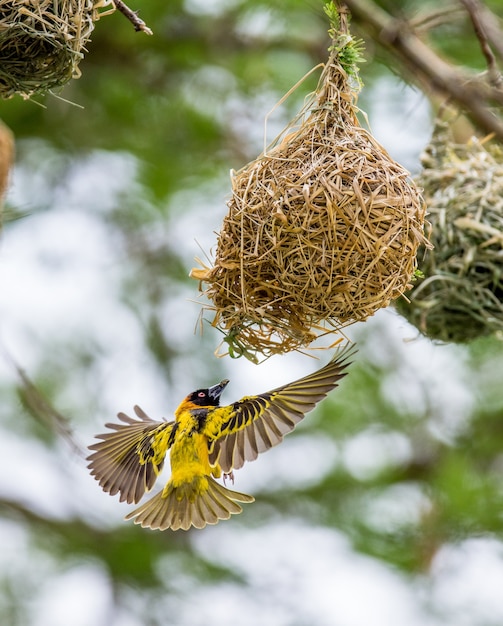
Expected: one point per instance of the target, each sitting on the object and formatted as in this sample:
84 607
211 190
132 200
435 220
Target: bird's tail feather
183 507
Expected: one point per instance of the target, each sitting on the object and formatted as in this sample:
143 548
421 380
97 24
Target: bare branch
469 92
474 11
492 28
440 16
132 16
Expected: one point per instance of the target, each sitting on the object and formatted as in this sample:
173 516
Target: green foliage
349 51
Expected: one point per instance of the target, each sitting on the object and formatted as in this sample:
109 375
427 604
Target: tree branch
132 16
474 11
492 28
469 92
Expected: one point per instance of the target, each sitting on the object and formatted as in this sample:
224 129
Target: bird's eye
201 394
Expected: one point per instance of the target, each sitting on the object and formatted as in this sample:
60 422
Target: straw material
6 159
322 230
460 297
42 42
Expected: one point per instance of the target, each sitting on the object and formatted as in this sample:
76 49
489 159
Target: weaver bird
206 440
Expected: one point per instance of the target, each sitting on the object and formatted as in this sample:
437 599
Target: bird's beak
215 391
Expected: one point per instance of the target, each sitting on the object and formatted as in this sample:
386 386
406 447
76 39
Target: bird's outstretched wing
241 431
128 460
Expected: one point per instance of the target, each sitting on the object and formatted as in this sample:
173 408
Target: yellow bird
206 440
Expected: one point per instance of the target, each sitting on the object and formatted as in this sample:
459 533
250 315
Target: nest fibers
322 228
460 297
42 43
6 160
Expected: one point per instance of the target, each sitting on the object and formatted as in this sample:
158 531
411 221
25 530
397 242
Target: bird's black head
208 397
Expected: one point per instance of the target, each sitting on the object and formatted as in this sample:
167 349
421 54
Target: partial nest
460 297
6 161
322 229
42 43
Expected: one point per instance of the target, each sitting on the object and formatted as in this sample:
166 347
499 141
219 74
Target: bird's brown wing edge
257 423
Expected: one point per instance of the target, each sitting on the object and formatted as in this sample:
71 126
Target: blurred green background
383 508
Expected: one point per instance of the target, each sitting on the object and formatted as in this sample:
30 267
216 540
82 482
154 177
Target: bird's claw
229 476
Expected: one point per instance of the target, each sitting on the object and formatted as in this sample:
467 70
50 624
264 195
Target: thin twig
132 16
437 17
38 405
474 9
492 28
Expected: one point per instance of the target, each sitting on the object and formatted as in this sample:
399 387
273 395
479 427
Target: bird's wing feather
129 459
241 431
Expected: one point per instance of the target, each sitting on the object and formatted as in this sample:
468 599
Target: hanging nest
322 229
42 43
460 296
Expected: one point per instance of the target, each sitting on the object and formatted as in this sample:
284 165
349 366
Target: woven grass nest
42 43
322 229
460 297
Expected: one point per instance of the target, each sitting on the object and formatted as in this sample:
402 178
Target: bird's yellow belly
189 462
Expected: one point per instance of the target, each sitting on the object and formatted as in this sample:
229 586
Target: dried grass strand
6 160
